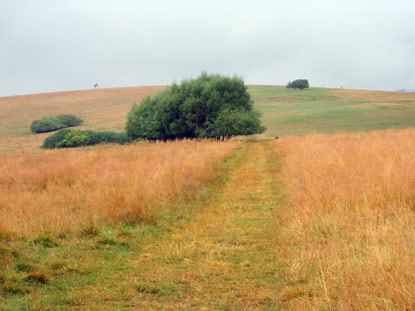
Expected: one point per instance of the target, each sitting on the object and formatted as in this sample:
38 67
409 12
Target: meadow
319 221
347 225
61 191
326 110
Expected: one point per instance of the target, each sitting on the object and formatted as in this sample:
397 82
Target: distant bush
69 120
74 138
54 140
106 137
47 124
68 138
50 124
298 84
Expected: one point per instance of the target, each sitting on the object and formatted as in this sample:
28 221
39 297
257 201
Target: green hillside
286 111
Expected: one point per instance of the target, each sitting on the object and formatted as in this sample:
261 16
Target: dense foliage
209 106
69 120
67 138
298 84
49 124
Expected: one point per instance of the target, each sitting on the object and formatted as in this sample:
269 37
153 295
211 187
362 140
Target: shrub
54 140
69 120
192 109
50 124
74 138
106 137
67 138
47 124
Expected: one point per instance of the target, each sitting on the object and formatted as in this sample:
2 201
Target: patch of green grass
24 267
286 111
46 241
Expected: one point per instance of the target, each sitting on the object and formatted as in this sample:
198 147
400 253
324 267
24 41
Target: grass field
310 222
284 111
346 232
323 110
61 191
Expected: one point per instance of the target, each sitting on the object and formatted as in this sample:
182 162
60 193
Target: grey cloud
61 45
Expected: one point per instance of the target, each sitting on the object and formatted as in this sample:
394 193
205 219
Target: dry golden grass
376 97
67 190
347 231
101 109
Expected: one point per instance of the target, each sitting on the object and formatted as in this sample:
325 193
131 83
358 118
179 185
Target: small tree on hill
298 84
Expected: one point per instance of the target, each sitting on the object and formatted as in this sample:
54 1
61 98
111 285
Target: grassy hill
101 109
310 222
284 111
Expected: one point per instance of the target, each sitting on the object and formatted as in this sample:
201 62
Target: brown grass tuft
66 190
347 231
40 276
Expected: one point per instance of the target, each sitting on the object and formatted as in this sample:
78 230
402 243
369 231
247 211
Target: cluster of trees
67 138
53 123
211 106
208 106
298 84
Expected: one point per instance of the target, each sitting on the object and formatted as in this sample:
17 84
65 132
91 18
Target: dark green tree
196 108
298 84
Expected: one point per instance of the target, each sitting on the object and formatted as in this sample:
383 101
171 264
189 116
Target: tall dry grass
65 190
347 231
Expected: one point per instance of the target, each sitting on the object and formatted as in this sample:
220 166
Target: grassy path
217 254
223 259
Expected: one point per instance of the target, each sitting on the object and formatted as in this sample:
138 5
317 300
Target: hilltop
284 111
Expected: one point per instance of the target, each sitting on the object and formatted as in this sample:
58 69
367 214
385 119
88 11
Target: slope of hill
101 109
285 111
325 110
406 90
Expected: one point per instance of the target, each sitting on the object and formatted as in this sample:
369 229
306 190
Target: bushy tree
54 140
53 123
298 84
69 120
74 138
237 122
46 124
199 107
106 137
67 138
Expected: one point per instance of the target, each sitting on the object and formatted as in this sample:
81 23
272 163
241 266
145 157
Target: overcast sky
57 45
